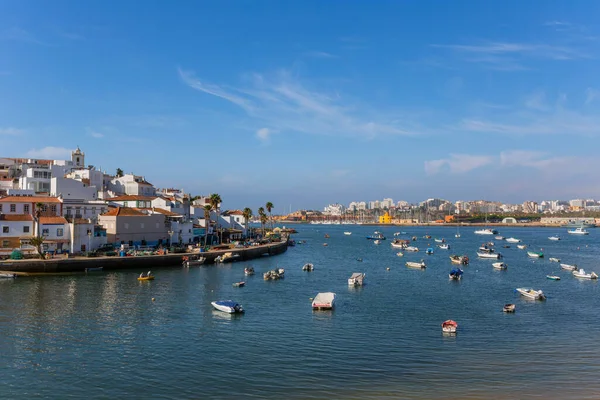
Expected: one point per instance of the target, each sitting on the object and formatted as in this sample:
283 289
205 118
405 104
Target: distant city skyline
310 103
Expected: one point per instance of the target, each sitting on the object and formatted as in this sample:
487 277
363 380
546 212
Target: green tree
119 173
215 203
207 209
269 207
37 240
247 213
263 219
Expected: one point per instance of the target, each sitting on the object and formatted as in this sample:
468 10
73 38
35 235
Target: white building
15 232
86 236
334 209
387 203
132 185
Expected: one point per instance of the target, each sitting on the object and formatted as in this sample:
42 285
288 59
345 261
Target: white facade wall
15 229
84 209
72 189
183 232
81 241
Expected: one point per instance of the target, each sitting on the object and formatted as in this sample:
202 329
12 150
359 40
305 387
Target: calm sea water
101 336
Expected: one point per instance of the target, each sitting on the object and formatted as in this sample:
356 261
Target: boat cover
356 275
456 272
227 303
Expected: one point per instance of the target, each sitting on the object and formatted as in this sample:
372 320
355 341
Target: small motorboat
506 246
429 250
411 248
400 254
396 233
531 293
228 306
347 233
569 267
457 235
414 238
8 275
359 259
377 241
578 231
535 254
326 236
227 257
460 260
376 236
521 246
146 276
444 246
489 255
455 274
308 267
325 244
274 274
486 249
357 279
554 238
414 264
449 326
554 259
193 261
580 273
427 237
553 277
499 238
440 240
509 308
249 270
324 301
239 284
499 265
513 240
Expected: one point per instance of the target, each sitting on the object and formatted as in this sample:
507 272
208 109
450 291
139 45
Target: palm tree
119 173
269 207
207 209
263 221
262 215
215 203
37 240
247 213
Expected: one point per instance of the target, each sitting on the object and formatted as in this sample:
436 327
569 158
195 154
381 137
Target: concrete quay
79 264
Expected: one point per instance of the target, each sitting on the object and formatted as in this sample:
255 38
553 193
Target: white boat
228 306
324 301
398 244
308 267
513 240
568 267
554 259
449 326
411 248
499 265
413 264
347 233
440 240
7 275
499 238
460 260
486 249
535 254
357 279
532 294
227 257
578 231
457 235
444 246
400 254
580 273
486 231
554 238
249 270
377 241
522 246
489 255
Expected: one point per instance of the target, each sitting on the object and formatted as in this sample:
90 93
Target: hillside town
74 208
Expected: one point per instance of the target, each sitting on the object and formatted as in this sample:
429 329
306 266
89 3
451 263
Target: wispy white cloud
9 131
319 54
591 95
50 152
537 101
457 163
263 134
95 134
286 104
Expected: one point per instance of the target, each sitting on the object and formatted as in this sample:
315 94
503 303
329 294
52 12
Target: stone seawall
79 264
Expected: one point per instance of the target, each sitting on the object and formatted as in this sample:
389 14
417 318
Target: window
69 210
25 229
142 225
13 208
25 208
45 232
59 231
44 207
0 207
94 210
126 225
157 225
125 204
5 229
5 243
53 209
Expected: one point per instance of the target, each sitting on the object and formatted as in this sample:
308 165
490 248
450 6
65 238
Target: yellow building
385 218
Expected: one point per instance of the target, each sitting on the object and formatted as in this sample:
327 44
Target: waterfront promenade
79 264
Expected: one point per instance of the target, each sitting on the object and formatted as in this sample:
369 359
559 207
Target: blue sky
310 102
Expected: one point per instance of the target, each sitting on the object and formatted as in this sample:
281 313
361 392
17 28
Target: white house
132 201
84 209
68 188
132 185
86 236
56 233
15 232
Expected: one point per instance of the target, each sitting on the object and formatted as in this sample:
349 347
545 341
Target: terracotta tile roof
132 197
236 212
36 161
163 211
29 199
52 220
123 212
16 217
82 221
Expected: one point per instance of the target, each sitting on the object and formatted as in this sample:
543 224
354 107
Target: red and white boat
449 326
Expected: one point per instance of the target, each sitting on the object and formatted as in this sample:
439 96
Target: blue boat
376 236
429 250
456 274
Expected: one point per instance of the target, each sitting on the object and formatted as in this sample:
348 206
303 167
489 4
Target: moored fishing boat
357 279
522 246
531 293
249 271
444 246
513 240
227 306
578 231
440 240
455 274
308 267
554 259
580 273
400 254
499 238
489 255
414 264
429 250
569 267
412 248
347 233
554 238
535 254
449 326
553 277
499 265
324 301
509 308
486 231
460 260
376 236
8 275
193 261
239 284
